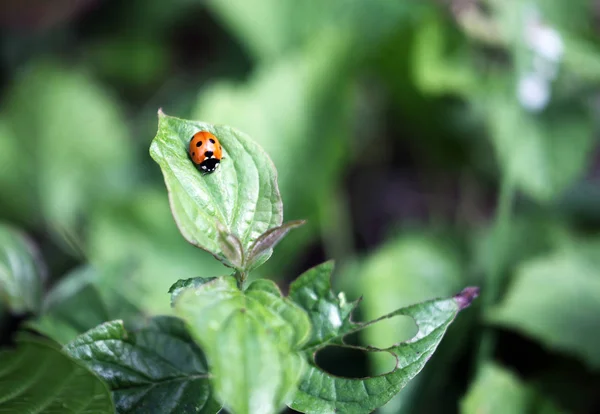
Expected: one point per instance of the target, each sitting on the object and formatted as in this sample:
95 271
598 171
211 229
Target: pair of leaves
250 337
157 369
228 212
21 272
259 251
38 377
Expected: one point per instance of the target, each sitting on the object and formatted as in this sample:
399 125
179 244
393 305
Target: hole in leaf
352 362
389 332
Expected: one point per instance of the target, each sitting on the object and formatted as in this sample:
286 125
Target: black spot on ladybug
208 154
199 143
193 153
212 141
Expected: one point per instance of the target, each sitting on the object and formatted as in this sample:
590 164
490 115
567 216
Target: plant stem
241 278
493 275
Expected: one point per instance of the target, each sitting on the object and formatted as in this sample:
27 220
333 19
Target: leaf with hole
251 339
157 369
37 377
406 270
322 392
21 272
240 198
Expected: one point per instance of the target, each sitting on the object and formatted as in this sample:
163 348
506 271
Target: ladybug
205 151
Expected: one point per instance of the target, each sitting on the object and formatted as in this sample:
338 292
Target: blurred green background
431 145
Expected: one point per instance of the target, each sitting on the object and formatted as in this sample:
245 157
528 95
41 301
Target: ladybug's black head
209 165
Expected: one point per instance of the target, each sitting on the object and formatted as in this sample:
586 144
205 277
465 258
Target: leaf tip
160 112
298 223
464 298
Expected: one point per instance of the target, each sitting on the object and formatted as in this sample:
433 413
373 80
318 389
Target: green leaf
77 139
498 391
251 339
77 303
544 154
21 272
241 197
157 369
38 378
331 317
330 314
260 249
556 300
183 284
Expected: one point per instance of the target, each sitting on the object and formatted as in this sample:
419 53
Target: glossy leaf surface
158 369
251 339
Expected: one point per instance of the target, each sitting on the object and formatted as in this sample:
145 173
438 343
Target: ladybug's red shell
205 151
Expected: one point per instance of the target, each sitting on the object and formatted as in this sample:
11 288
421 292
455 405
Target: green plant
235 342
